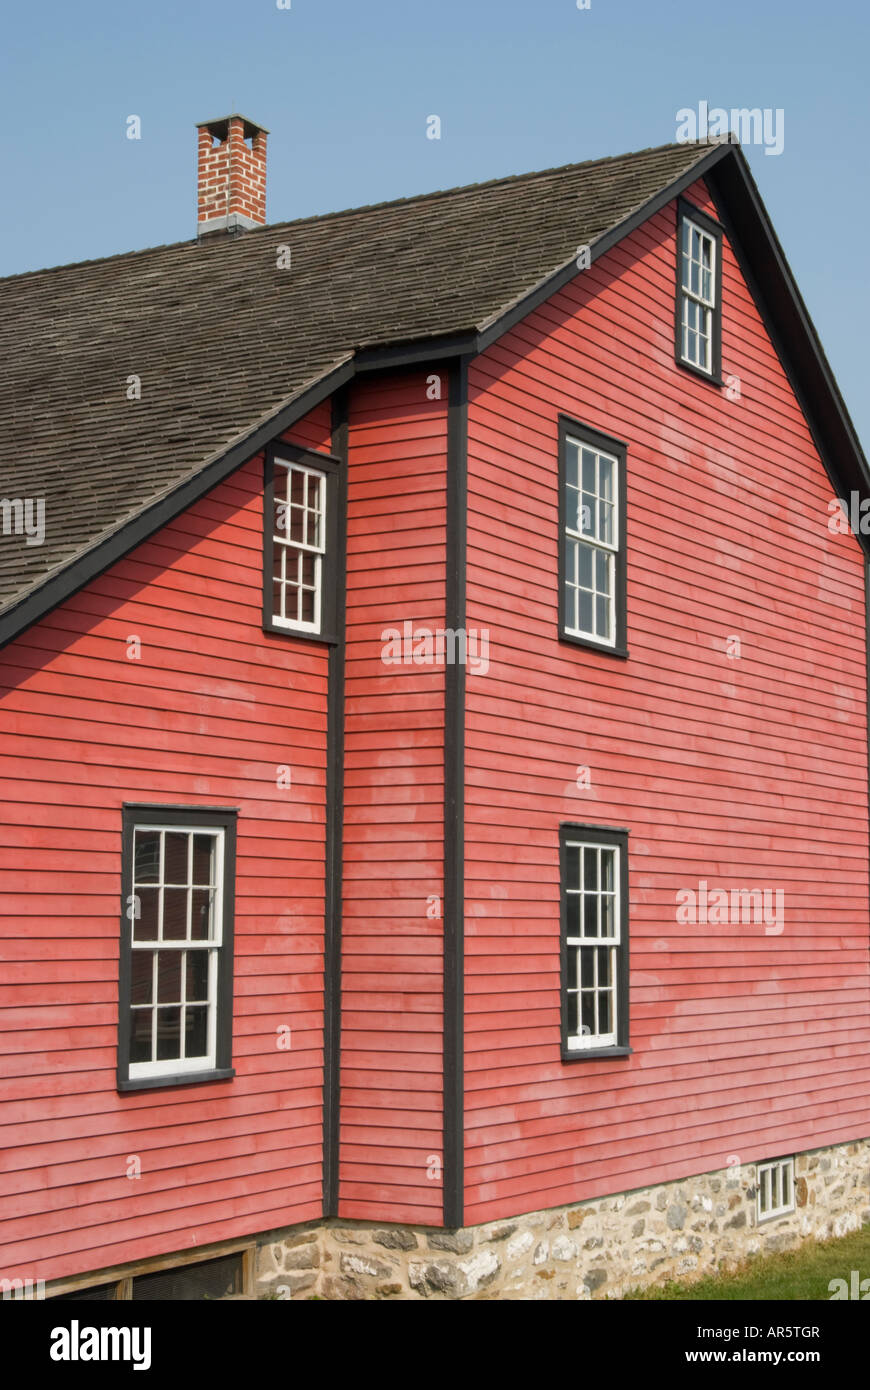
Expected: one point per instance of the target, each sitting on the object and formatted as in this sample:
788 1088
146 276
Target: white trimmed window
595 981
299 499
591 541
177 914
698 328
699 253
775 1188
176 967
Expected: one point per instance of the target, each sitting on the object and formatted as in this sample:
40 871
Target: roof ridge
432 195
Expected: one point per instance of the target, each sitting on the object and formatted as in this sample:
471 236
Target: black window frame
571 428
275 453
608 836
135 816
688 210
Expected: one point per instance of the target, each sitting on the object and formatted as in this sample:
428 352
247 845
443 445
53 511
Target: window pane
605 958
608 859
168 1034
201 914
602 572
174 914
604 1024
146 868
585 555
590 914
169 977
587 967
588 471
590 869
175 858
296 530
587 1013
602 618
315 516
142 977
196 1031
605 478
584 607
196 981
203 855
140 1035
608 922
145 907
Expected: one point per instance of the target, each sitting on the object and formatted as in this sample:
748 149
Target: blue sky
345 87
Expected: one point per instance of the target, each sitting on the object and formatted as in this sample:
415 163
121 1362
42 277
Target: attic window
699 292
299 560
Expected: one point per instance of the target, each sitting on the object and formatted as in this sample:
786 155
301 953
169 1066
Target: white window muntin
591 539
175 1066
300 540
775 1188
610 940
698 281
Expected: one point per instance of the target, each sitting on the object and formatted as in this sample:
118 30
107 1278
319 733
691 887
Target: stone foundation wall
597 1249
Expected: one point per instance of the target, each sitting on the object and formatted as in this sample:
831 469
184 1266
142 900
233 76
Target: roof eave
767 272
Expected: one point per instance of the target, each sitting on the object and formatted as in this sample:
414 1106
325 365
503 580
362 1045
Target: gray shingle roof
221 338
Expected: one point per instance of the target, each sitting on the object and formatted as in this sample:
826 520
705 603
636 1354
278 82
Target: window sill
327 638
592 645
583 1054
714 378
190 1078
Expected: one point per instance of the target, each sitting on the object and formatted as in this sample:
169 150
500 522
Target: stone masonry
596 1249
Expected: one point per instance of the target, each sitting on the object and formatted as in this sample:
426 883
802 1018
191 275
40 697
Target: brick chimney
231 176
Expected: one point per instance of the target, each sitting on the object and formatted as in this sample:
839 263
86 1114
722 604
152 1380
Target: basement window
300 529
775 1188
699 292
594 873
592 585
160 1281
178 866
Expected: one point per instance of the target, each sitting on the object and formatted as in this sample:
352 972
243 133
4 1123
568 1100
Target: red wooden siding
394 788
749 772
206 716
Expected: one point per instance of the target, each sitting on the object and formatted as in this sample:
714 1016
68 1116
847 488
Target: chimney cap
220 125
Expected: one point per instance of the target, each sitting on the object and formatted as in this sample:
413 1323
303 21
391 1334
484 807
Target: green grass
804 1273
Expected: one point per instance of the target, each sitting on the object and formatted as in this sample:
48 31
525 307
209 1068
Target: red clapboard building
433 698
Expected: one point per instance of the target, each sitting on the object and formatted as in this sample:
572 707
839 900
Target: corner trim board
334 822
453 1176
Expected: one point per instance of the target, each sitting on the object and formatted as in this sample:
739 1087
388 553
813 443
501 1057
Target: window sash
775 1185
594 944
175 1066
291 548
595 539
705 269
698 309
